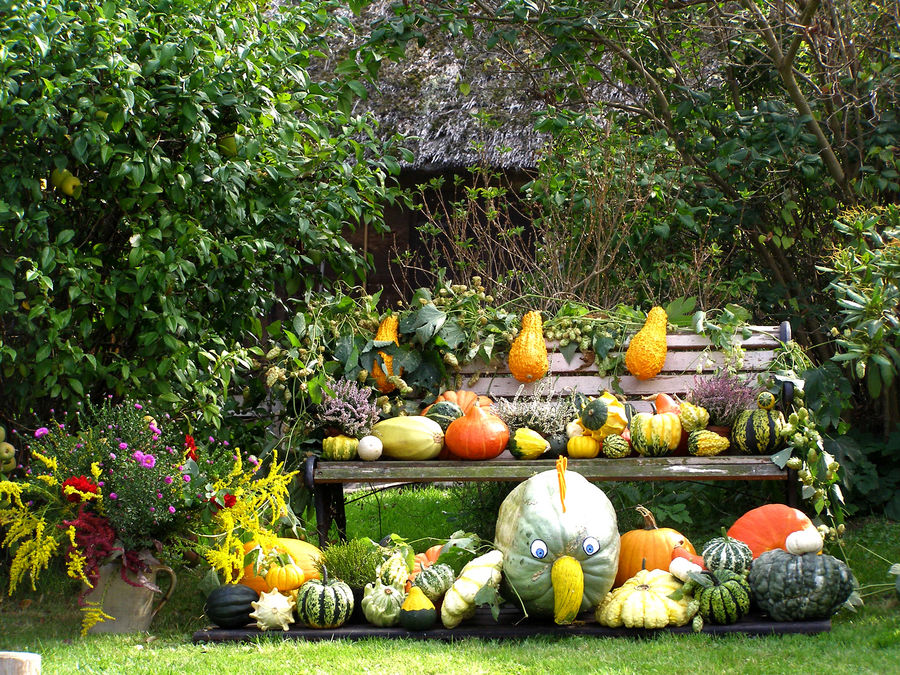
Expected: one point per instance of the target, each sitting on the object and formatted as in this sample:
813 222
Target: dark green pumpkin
804 587
417 612
594 414
558 444
444 412
324 603
725 599
758 432
229 606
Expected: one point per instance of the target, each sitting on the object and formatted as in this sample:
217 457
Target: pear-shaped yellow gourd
528 360
647 352
387 330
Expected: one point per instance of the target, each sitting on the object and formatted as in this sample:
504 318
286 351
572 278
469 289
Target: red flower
228 500
80 483
191 447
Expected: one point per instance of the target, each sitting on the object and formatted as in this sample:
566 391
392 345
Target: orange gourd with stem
648 548
478 434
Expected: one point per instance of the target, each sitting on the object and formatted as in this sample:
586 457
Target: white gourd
459 601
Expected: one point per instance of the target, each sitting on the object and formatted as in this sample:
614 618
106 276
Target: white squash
459 601
370 448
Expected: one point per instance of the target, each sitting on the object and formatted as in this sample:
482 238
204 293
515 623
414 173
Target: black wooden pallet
511 626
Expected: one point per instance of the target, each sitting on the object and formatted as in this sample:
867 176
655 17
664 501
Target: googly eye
539 549
590 545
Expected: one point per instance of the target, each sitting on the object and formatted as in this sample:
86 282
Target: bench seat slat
627 469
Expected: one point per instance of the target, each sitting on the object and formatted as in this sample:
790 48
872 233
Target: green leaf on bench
781 457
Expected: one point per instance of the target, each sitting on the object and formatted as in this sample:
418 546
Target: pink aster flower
41 432
167 480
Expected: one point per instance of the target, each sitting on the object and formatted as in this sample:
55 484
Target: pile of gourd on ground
462 425
557 554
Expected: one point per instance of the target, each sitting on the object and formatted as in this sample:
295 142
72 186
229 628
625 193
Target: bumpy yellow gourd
646 353
643 602
528 360
387 330
706 443
693 417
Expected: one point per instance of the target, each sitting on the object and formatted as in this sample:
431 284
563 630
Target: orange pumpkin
648 548
464 398
423 560
300 567
768 527
478 434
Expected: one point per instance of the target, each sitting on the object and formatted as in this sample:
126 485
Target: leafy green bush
166 169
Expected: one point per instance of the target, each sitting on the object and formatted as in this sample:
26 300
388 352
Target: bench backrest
688 356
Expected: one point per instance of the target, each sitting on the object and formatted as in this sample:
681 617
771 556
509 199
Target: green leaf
780 458
425 323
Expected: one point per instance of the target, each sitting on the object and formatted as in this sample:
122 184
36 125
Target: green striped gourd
693 417
435 581
324 603
394 570
727 553
616 446
444 412
758 432
723 596
654 435
706 443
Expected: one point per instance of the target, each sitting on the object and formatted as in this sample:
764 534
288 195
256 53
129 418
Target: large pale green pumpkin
534 532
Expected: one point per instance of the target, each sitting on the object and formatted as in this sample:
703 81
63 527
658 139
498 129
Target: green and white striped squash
758 432
435 581
324 603
444 412
616 446
394 571
727 553
724 598
654 435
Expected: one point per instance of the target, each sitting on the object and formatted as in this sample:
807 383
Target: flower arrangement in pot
346 414
724 396
121 483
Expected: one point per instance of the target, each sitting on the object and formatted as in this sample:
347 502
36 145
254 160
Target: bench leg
793 489
329 501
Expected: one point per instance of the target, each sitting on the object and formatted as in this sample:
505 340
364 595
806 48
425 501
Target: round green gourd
533 532
727 553
229 606
444 412
557 446
417 611
594 413
381 604
435 581
324 603
726 599
616 446
394 571
792 587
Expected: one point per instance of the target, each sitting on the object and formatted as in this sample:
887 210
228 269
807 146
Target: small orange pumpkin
464 398
478 434
300 568
648 548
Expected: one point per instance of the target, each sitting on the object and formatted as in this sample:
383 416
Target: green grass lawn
867 641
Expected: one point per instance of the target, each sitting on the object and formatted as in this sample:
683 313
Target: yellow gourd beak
568 589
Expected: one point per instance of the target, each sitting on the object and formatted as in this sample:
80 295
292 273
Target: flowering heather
348 407
724 396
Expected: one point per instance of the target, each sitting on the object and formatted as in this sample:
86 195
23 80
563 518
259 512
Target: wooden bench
687 354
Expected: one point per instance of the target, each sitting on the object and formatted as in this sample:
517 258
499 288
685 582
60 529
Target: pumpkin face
768 527
648 548
476 435
541 542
